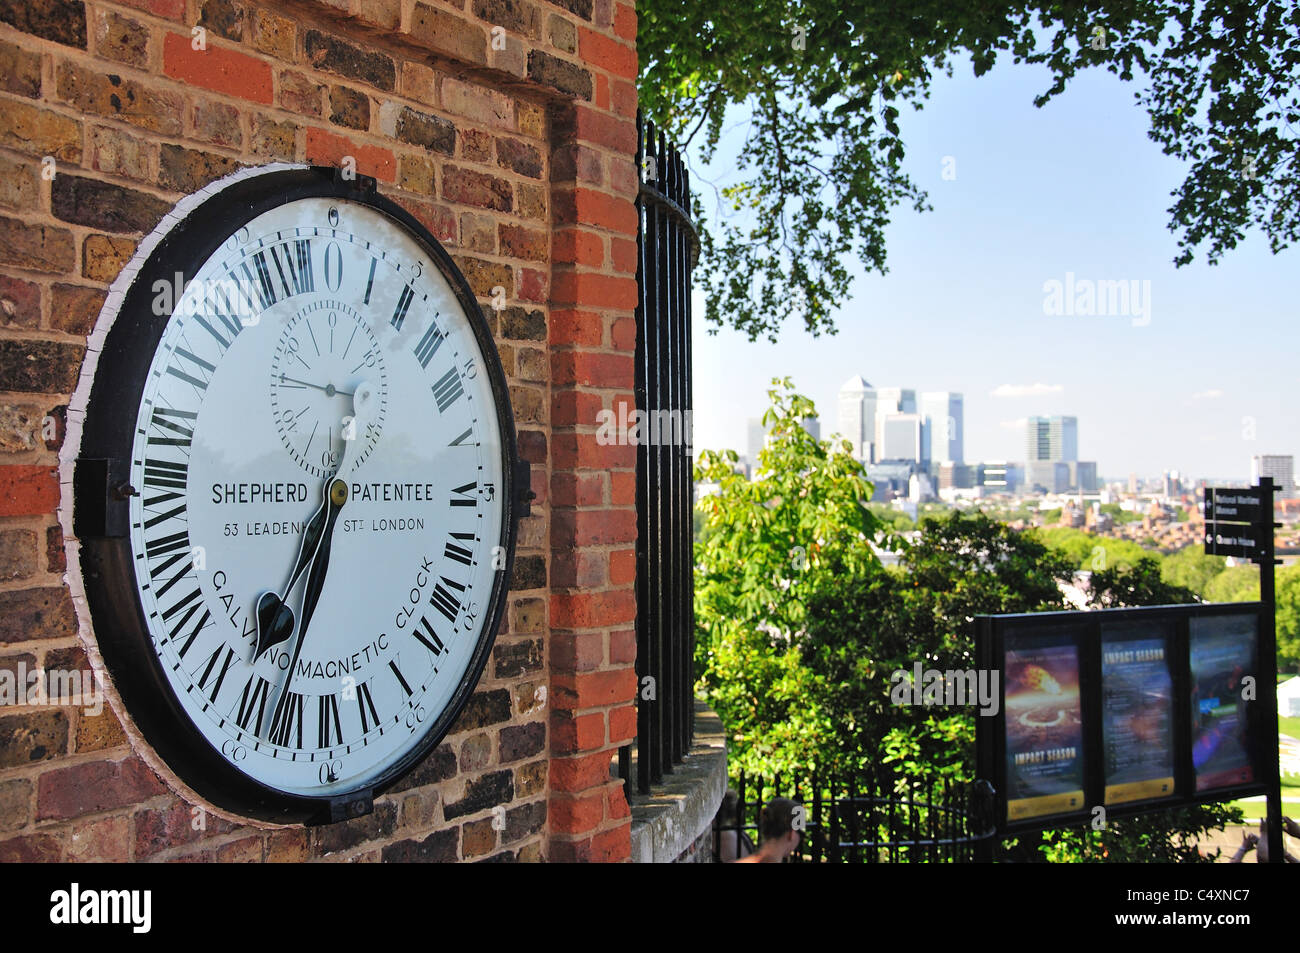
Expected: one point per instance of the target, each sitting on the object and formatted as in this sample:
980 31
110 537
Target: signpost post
1240 523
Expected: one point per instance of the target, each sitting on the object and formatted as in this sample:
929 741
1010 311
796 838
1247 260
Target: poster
1044 732
1137 712
1222 652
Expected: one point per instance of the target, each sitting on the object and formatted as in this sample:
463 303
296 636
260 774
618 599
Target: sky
1200 382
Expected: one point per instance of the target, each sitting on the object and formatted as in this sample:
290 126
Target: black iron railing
867 820
668 246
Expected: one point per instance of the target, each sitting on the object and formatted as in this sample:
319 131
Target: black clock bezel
106 557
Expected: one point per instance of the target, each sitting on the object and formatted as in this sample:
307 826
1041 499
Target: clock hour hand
275 620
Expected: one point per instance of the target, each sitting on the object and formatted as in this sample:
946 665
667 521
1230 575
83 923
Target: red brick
438 219
218 69
532 285
622 488
622 724
576 327
577 489
570 735
31 848
590 368
604 53
95 786
579 773
579 163
594 291
167 9
622 334
622 646
613 846
622 254
592 689
624 22
520 242
580 569
580 122
476 188
601 99
624 98
580 451
28 490
589 610
616 806
576 815
577 651
582 247
583 206
329 149
569 407
622 567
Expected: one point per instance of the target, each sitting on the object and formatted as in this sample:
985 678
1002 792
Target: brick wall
507 128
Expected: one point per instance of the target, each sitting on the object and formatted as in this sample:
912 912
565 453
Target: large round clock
295 492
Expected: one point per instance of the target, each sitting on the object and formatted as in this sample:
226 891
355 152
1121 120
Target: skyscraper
941 436
857 418
1281 468
900 437
1054 439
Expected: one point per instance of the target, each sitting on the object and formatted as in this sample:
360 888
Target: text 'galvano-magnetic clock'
295 492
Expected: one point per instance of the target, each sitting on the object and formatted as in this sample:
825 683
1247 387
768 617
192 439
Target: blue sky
1073 187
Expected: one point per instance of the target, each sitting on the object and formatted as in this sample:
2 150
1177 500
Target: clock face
321 528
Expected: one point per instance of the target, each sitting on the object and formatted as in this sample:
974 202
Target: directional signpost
1239 522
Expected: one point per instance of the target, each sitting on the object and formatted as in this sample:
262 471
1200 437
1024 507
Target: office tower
1083 475
1173 486
1280 467
757 437
813 426
1133 483
941 433
900 437
1051 438
1050 476
857 417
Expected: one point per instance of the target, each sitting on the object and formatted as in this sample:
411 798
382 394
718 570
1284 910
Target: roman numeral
366 703
265 290
428 637
444 601
170 514
294 267
370 280
428 345
465 494
161 474
168 613
329 716
403 303
253 701
221 676
398 673
218 305
160 419
167 544
459 553
286 720
201 383
460 441
447 390
199 627
183 559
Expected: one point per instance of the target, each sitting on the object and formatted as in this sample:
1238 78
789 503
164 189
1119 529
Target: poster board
1130 710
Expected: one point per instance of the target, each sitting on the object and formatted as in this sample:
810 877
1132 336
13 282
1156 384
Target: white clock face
319 344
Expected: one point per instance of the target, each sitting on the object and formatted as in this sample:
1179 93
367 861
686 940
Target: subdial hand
329 389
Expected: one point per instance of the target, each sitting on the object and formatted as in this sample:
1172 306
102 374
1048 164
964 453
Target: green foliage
1086 551
1191 568
897 520
1165 837
1288 618
1234 584
822 162
769 546
1139 585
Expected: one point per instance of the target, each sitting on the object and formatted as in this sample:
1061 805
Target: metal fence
870 820
667 245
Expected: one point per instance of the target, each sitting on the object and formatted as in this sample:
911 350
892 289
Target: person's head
777 825
727 810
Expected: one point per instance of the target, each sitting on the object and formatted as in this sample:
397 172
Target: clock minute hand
335 495
275 620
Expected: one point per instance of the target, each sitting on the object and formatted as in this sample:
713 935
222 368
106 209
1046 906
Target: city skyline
1037 210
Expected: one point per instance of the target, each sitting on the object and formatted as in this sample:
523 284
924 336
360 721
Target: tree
823 82
1139 585
1288 618
1192 568
769 544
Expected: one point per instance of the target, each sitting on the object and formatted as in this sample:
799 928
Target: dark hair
778 818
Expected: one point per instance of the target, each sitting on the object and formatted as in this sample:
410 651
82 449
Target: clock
296 492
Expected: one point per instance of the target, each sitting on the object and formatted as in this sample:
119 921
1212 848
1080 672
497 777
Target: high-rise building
857 417
1051 438
941 435
890 401
899 437
1280 467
